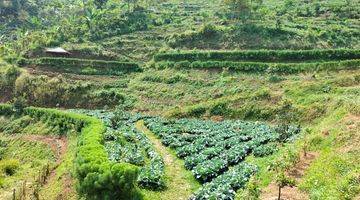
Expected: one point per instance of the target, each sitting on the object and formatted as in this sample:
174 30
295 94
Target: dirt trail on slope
178 180
58 145
297 172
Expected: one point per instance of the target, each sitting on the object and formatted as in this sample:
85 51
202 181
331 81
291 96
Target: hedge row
286 68
98 177
260 55
82 65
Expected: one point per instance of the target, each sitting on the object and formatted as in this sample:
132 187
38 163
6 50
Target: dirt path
180 182
58 145
288 193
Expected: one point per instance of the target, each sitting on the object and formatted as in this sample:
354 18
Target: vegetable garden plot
125 144
214 151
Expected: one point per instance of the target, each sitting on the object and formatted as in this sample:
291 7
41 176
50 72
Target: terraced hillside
170 99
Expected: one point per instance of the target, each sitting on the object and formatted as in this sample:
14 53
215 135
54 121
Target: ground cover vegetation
82 66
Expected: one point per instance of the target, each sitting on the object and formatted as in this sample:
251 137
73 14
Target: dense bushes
83 66
260 55
60 92
98 177
287 68
8 76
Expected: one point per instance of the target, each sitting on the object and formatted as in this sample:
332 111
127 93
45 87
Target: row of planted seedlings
124 143
215 151
262 61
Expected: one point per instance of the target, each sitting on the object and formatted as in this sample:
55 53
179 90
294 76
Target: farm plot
214 151
125 144
262 61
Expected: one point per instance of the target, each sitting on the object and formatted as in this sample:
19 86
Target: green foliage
275 79
8 76
212 148
258 67
251 191
98 177
125 144
260 55
239 8
59 91
224 186
283 62
100 3
75 65
9 167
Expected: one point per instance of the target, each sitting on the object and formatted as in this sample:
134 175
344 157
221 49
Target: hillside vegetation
170 99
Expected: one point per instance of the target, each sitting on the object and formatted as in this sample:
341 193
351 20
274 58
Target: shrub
9 167
275 79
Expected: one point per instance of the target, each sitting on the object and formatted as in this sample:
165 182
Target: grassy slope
62 184
34 154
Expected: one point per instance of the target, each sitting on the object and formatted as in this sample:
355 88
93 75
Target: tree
282 180
306 145
281 166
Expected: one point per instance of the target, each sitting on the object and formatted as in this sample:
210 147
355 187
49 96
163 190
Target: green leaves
124 144
225 185
99 178
213 150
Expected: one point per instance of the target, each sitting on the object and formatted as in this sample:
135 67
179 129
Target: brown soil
288 193
5 96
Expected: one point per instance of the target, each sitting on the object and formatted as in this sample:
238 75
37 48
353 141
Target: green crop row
99 178
83 66
282 68
260 55
124 143
224 186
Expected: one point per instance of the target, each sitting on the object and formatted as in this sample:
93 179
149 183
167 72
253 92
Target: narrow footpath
180 183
